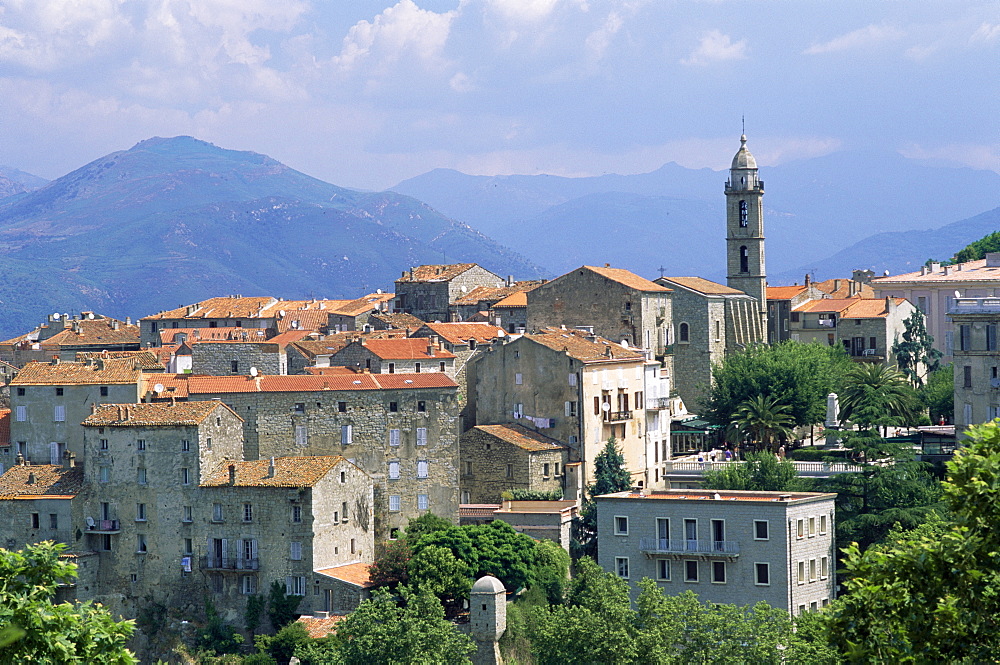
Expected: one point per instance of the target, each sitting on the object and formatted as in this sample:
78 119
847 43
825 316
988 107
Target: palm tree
876 395
765 419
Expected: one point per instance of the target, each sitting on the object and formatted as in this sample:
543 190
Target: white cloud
403 30
872 35
599 40
523 10
974 155
716 47
986 33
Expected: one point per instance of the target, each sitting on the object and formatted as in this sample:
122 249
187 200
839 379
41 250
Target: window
571 377
812 570
346 435
234 367
991 337
744 217
762 574
188 546
59 392
295 550
34 521
393 407
104 444
53 521
394 437
744 259
217 512
421 406
188 514
422 469
20 392
393 470
802 609
557 469
690 571
441 367
140 512
248 512
416 368
967 376
422 501
352 546
965 337
621 566
140 444
684 333
185 445
392 368
216 581
104 474
800 529
718 572
824 567
663 570
297 514
249 549
21 412
301 436
393 503
248 585
208 442
342 407
812 527
467 469
545 470
185 476
343 477
421 436
518 379
59 413
300 407
802 572
106 542
295 585
760 530
621 525
140 543
570 409
510 471
141 475
822 524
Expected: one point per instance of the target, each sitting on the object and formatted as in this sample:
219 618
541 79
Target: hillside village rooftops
851 308
100 330
154 414
194 335
495 293
970 271
334 342
704 286
117 371
722 495
844 288
30 481
460 333
288 472
334 369
363 304
521 437
435 273
196 384
400 320
223 307
519 299
629 279
585 347
784 292
145 359
407 348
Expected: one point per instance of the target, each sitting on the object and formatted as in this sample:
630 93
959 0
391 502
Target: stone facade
745 230
222 358
62 336
549 520
36 503
497 458
866 327
728 547
396 356
976 358
427 291
612 302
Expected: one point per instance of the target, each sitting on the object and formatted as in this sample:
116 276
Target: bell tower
745 229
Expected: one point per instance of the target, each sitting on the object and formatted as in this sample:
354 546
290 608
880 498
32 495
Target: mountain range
173 221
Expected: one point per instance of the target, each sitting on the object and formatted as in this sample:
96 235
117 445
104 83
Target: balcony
617 416
820 324
657 403
688 549
103 526
226 563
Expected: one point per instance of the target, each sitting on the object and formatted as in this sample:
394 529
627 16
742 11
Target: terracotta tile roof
145 358
313 319
4 427
228 333
784 292
224 307
328 371
95 332
522 437
971 271
492 294
400 320
870 308
40 480
827 305
478 509
290 307
119 371
435 273
334 342
629 279
461 333
288 472
407 348
319 628
174 385
841 288
352 573
519 299
577 345
156 414
213 385
705 286
363 304
724 495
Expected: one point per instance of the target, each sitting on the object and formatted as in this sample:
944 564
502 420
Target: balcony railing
657 403
726 548
226 563
617 416
104 526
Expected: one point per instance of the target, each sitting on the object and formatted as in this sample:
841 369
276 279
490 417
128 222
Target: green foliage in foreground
35 630
760 472
932 594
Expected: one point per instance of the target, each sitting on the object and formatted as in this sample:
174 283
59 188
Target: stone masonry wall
217 358
485 463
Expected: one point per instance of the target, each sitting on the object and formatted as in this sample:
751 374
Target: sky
366 93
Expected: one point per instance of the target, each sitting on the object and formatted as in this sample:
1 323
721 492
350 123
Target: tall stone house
409 355
427 291
976 360
483 298
497 458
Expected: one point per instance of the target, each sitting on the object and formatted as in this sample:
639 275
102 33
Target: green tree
437 569
876 395
382 631
799 375
938 394
521 494
282 645
978 249
281 606
33 629
488 549
551 570
253 612
915 352
217 636
760 472
426 523
932 594
391 566
610 476
764 419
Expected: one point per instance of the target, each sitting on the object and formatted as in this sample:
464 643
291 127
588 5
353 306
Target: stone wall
222 358
491 466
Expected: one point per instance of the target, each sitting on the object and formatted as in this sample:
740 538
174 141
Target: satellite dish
501 332
90 523
281 313
605 406
625 343
55 317
253 371
995 383
158 389
958 294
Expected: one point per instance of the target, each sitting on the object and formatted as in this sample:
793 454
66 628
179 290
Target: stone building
400 428
396 356
710 320
497 458
427 291
354 315
221 358
933 290
62 336
542 520
573 386
483 298
393 321
867 327
511 313
303 354
745 231
6 457
612 302
727 546
50 400
976 358
36 503
781 300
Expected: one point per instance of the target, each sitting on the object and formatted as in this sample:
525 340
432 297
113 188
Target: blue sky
364 94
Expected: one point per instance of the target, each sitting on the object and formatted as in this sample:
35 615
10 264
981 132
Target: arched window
684 333
743 214
744 259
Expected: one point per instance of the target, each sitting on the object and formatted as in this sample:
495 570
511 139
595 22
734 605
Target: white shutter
225 548
288 586
421 436
518 378
54 454
300 435
566 407
253 548
346 435
21 414
394 437
572 379
59 413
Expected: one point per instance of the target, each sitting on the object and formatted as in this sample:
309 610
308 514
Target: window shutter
225 548
394 437
566 407
54 454
421 436
288 586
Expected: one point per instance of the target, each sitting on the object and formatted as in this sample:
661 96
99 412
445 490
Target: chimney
31 478
607 265
947 270
232 474
55 360
923 270
270 468
128 320
93 408
890 305
510 280
69 460
321 614
808 280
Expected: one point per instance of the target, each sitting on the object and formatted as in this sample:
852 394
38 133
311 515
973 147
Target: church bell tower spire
745 229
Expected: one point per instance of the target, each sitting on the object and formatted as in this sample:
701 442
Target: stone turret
487 619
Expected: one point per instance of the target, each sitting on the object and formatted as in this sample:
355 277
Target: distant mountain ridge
13 181
176 220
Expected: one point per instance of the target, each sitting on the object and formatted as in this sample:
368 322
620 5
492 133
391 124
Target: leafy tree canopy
426 523
979 248
914 351
761 471
488 549
437 569
610 476
938 394
874 394
391 566
33 629
764 419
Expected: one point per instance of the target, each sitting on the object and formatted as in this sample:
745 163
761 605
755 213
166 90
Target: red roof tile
224 307
520 436
352 573
491 294
407 348
319 628
705 286
364 304
154 414
40 480
784 292
435 273
288 472
201 385
629 279
399 320
577 345
118 371
460 333
4 427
